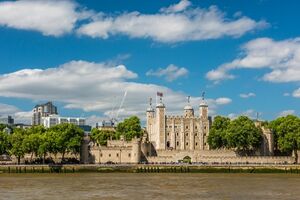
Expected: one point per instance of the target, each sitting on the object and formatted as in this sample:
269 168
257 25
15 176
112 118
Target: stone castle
172 139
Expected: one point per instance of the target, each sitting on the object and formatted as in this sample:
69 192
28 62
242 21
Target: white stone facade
186 132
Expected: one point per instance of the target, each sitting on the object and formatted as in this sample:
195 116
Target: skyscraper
43 110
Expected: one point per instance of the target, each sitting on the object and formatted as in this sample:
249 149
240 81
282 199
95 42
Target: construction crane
114 115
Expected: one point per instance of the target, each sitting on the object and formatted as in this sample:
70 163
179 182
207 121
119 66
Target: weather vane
203 95
188 98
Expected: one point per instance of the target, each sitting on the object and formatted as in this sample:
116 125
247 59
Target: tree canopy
240 134
4 142
287 133
130 128
101 136
217 133
39 141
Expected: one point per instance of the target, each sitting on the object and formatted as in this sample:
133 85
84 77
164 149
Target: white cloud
51 17
252 114
181 6
248 95
176 23
94 87
223 101
18 115
171 73
287 112
296 93
286 94
6 109
282 58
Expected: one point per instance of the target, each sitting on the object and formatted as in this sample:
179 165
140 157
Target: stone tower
136 150
203 109
150 121
204 123
160 126
188 109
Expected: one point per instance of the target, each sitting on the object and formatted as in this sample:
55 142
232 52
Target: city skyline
246 57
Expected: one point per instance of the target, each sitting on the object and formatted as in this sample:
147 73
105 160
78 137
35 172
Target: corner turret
203 108
188 109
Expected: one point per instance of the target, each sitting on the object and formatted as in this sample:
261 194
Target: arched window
168 144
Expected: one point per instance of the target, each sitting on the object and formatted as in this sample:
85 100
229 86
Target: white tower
160 126
150 120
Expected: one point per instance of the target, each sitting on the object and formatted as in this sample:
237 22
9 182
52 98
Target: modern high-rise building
7 120
53 120
43 110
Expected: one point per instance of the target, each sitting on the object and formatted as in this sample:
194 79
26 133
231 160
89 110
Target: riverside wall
150 168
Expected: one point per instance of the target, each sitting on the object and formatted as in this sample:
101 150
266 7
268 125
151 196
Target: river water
149 186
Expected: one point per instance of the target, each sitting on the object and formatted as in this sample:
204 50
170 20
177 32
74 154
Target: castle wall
217 156
117 151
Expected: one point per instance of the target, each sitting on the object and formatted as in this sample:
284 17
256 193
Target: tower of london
186 132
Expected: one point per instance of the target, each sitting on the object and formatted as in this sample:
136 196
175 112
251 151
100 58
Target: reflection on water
150 186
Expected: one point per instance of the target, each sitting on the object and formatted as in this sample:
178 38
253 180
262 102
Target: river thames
149 186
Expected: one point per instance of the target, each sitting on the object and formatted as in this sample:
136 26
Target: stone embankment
158 168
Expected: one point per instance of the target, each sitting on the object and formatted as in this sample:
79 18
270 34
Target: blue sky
84 55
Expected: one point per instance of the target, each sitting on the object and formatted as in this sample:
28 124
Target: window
168 144
177 143
117 155
187 127
196 144
187 134
168 133
129 155
109 155
195 127
176 134
187 144
101 155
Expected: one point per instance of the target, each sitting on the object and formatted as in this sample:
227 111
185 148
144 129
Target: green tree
32 140
67 138
130 128
242 134
217 134
17 147
44 147
4 142
2 127
101 136
287 133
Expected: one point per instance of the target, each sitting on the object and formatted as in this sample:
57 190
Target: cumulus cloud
6 109
177 23
94 87
282 58
249 113
18 115
50 17
181 6
296 93
247 95
223 101
170 73
286 112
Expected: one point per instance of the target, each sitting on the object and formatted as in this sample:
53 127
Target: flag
160 94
